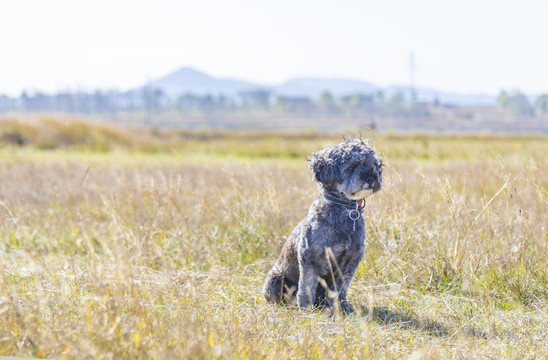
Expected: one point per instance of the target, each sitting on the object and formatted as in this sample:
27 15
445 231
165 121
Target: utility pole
412 89
148 103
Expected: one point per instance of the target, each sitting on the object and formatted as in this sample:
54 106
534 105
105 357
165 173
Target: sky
466 46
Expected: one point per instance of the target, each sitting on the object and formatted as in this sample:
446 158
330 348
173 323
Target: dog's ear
325 170
380 164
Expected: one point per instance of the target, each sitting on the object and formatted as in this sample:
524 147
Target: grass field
131 243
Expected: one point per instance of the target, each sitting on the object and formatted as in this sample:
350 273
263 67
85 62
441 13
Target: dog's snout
371 180
367 177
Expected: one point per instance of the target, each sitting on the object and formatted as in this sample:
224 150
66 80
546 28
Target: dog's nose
368 178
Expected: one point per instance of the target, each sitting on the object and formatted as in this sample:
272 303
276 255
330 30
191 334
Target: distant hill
313 87
189 80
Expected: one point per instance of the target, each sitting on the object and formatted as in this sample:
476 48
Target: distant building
296 104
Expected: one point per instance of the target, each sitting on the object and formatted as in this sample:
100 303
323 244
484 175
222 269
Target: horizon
33 92
468 48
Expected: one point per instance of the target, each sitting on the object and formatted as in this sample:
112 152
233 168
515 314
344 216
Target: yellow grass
107 251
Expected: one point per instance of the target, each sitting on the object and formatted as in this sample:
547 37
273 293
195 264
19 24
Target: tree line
155 101
519 104
356 105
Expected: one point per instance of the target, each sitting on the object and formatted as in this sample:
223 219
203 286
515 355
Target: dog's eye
352 168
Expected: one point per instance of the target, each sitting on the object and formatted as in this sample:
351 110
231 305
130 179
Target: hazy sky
462 46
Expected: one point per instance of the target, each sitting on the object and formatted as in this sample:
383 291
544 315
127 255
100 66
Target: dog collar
349 204
355 207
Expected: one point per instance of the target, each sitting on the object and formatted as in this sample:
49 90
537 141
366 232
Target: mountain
313 87
189 80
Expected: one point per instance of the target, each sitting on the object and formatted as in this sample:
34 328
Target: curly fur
322 253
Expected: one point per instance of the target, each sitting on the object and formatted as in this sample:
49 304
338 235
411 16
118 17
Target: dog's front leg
308 283
343 288
348 273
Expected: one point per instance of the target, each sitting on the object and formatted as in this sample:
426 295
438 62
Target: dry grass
163 255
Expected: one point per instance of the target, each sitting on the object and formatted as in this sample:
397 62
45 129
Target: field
131 243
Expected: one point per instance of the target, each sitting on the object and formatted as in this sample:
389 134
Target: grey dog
322 253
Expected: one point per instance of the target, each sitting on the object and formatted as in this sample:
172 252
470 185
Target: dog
323 252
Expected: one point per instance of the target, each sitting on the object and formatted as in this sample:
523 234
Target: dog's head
351 168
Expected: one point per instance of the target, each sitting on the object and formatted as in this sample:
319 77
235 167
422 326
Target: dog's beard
356 195
358 190
362 194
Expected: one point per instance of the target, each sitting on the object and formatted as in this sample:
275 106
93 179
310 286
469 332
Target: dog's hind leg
274 284
279 288
321 296
273 288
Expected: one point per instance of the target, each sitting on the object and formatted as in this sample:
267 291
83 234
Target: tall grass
133 255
